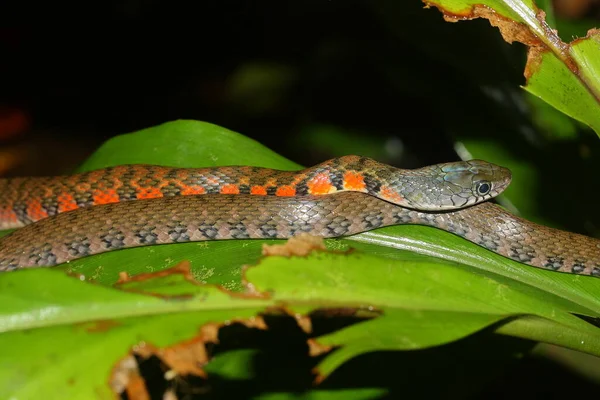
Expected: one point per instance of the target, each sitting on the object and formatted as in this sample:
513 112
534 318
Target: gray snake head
474 181
448 186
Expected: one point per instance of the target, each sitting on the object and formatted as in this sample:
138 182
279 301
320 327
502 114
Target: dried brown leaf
125 377
316 349
183 268
514 31
301 245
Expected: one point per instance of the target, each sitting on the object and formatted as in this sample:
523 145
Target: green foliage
412 291
441 290
566 75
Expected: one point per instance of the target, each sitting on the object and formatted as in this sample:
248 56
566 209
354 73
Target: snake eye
483 187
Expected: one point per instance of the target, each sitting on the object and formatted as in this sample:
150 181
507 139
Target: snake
64 218
445 186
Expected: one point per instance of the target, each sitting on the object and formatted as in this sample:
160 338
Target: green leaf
430 286
572 92
577 293
54 324
186 144
565 75
45 297
423 303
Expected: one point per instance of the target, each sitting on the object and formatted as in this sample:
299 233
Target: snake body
436 187
94 230
336 208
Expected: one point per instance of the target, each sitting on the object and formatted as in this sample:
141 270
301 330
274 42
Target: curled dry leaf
126 377
136 388
533 31
301 245
511 30
188 357
183 358
170 395
304 322
316 349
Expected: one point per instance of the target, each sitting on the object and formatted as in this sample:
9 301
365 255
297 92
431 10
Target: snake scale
68 217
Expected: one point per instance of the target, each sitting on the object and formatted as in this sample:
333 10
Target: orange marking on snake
354 181
148 193
146 187
297 179
8 214
258 190
285 191
390 194
47 192
95 176
320 184
82 187
105 196
66 202
35 211
187 190
230 189
244 180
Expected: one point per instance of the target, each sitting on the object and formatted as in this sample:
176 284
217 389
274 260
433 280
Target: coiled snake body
180 205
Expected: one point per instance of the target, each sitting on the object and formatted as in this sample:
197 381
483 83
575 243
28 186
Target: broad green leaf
423 303
579 294
185 144
573 93
46 297
56 324
401 329
412 274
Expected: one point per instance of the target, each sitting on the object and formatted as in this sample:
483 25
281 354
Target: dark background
270 70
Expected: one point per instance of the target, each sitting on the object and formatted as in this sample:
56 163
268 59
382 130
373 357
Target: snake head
448 186
471 182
